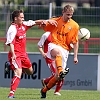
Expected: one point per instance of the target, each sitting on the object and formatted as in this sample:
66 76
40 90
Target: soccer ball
83 34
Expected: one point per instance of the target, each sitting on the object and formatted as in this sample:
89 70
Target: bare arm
12 51
42 52
44 22
75 53
38 22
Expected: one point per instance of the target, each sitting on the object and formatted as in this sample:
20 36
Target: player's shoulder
74 23
46 34
12 27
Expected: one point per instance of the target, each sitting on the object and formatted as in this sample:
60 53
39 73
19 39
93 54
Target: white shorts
64 52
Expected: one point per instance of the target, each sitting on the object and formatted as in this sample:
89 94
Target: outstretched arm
39 22
52 22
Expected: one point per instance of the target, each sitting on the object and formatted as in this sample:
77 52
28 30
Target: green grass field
34 94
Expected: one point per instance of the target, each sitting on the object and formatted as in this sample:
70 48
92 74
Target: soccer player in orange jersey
63 37
43 48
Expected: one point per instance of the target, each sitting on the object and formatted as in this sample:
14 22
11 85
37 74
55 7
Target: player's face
19 20
67 15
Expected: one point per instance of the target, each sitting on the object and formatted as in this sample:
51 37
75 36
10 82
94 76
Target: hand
75 60
52 22
13 58
44 55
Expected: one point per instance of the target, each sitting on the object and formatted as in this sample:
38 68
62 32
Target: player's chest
21 33
64 28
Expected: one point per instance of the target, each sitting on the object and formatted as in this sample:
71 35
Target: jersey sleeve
28 24
75 37
43 39
11 34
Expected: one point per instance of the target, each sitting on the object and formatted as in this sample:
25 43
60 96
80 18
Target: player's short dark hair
16 13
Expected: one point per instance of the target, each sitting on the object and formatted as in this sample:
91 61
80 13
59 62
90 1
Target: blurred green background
86 17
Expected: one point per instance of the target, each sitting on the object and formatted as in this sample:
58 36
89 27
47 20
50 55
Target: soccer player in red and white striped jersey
16 40
43 48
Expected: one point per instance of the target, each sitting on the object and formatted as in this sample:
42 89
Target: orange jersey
64 34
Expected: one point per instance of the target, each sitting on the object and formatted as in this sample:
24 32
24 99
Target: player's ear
62 11
15 18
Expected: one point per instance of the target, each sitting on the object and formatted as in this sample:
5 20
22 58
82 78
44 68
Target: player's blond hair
69 8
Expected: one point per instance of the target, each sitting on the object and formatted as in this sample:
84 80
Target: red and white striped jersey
17 36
